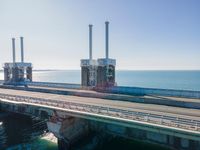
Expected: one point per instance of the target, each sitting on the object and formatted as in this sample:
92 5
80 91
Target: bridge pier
63 144
68 131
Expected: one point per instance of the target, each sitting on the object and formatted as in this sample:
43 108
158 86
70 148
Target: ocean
27 133
182 80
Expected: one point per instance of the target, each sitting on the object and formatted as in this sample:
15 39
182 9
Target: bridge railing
122 89
165 120
58 85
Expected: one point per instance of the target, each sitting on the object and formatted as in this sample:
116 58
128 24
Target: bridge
162 116
114 113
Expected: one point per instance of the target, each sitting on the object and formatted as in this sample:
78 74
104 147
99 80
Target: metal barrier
153 91
164 120
58 85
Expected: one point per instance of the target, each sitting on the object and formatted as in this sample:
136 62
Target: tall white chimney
22 49
13 48
107 39
90 41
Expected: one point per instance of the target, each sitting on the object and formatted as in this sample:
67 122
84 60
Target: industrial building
101 72
17 73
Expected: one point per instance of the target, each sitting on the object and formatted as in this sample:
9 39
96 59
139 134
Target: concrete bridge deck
111 103
192 103
176 117
88 92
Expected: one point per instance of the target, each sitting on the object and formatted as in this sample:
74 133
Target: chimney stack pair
22 49
106 40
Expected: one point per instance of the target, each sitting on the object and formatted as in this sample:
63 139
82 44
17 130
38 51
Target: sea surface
25 133
183 80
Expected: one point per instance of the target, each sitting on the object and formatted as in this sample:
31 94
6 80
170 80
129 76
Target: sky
144 34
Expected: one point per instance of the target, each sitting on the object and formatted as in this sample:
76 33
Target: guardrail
49 84
165 120
152 91
121 89
58 85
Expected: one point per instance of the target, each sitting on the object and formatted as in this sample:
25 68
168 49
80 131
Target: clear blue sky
144 34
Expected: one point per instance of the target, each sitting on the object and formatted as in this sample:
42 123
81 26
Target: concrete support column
63 145
184 143
68 131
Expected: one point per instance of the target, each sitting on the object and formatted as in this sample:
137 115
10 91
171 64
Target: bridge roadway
92 93
179 119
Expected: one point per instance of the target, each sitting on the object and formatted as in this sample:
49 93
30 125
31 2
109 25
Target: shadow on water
121 144
22 132
19 132
102 141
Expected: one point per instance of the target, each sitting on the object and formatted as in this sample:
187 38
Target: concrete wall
147 136
84 76
153 91
104 78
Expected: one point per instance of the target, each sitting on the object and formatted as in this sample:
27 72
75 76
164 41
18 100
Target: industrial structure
160 116
89 66
101 72
106 66
17 73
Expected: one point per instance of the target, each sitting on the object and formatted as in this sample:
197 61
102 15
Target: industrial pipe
13 48
22 49
90 41
107 39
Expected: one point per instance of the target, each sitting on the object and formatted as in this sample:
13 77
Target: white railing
164 120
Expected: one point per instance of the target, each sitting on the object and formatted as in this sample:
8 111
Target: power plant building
101 72
17 72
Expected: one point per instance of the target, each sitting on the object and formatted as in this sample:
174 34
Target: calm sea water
17 132
189 80
184 80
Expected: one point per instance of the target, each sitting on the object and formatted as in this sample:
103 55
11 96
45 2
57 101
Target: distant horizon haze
144 34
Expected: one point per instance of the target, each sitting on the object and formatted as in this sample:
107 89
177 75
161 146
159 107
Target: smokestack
90 41
107 39
13 48
22 49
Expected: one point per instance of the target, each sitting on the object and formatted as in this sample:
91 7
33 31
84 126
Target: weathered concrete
151 137
68 131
